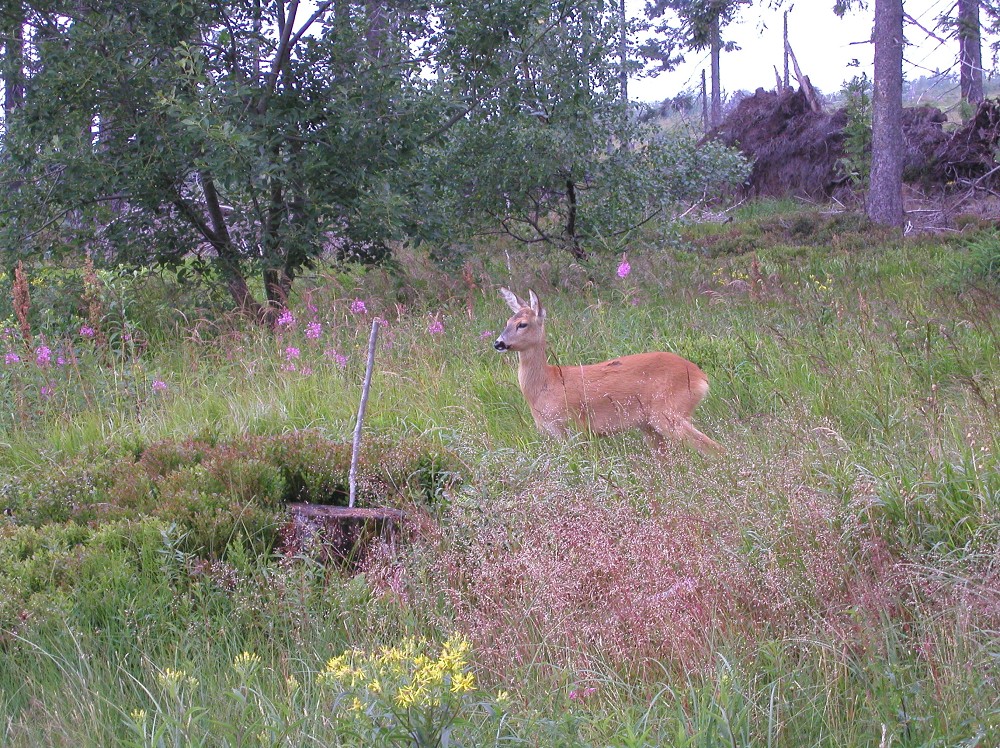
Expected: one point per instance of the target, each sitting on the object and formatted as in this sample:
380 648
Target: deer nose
500 345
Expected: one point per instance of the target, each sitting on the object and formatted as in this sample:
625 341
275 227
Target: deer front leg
553 426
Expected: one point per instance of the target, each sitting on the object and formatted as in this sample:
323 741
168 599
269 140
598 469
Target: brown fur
654 392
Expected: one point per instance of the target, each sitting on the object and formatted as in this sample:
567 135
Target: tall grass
831 581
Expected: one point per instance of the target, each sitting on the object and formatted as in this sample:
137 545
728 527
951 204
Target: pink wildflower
11 358
436 327
87 331
47 391
43 355
338 358
487 335
159 385
285 319
581 695
358 307
314 330
291 353
624 268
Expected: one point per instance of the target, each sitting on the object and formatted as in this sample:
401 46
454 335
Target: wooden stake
352 478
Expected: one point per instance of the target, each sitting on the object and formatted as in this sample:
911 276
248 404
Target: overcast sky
824 44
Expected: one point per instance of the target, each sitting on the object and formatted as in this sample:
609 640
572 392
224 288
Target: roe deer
654 392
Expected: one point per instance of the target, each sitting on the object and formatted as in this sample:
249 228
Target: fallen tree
796 150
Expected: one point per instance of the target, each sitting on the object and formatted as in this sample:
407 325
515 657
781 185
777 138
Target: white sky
822 42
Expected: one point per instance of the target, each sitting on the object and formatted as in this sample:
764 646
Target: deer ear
515 303
535 304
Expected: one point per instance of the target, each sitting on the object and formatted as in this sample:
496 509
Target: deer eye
521 325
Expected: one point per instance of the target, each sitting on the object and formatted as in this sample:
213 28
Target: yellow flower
356 705
139 715
455 653
246 663
338 668
463 682
503 697
291 683
173 679
406 696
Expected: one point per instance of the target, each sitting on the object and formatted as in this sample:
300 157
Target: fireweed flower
624 268
87 331
43 355
314 330
47 391
11 359
358 307
338 358
285 319
436 327
159 385
291 353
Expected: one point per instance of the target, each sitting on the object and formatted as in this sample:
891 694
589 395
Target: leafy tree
153 129
558 156
251 137
255 133
692 25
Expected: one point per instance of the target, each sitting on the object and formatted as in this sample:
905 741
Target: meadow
832 580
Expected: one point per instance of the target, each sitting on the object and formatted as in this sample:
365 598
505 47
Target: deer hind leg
677 428
657 444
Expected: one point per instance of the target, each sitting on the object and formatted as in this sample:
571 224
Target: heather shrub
313 468
215 492
91 573
644 582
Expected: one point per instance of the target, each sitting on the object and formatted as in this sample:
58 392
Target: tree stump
339 534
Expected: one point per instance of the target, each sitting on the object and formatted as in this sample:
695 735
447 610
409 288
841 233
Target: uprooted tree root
796 150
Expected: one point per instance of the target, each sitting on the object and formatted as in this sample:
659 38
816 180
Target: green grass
830 581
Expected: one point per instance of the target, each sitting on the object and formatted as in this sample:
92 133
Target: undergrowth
831 581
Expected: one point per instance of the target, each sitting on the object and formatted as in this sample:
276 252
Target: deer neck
532 371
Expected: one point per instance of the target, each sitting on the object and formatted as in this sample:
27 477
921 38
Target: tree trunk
970 51
572 240
716 77
623 53
13 59
885 195
705 127
786 80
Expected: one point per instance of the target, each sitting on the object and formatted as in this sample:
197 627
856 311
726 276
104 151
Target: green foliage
828 581
945 506
856 164
687 25
981 264
231 491
558 158
193 138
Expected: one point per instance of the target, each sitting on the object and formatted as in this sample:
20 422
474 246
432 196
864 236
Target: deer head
526 329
